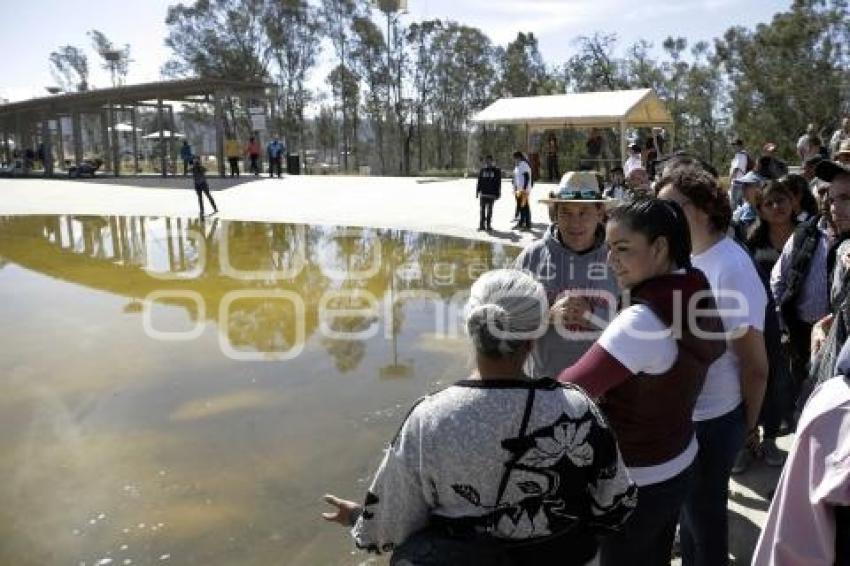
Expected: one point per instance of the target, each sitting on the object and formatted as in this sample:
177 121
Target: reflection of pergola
615 109
21 119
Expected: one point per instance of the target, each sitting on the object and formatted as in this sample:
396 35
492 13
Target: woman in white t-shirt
648 368
727 410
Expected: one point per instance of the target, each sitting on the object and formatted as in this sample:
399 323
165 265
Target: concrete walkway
440 206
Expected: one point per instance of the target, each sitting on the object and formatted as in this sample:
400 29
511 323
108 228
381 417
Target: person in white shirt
727 410
806 146
522 189
634 159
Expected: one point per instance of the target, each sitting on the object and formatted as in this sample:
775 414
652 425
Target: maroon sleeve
596 372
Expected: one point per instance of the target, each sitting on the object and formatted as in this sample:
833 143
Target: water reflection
222 461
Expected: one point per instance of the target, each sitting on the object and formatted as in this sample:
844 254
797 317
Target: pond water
178 391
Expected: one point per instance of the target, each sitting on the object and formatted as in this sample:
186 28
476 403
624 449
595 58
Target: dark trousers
647 536
552 168
186 167
486 216
274 166
704 527
516 210
255 164
800 345
234 166
525 216
204 188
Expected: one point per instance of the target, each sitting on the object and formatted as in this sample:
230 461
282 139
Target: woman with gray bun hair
498 468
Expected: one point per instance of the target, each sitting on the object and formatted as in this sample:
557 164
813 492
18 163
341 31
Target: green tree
293 31
218 38
70 68
523 70
116 61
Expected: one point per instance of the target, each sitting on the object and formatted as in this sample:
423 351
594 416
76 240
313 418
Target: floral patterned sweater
448 459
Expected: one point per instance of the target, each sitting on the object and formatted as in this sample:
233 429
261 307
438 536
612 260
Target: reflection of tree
111 254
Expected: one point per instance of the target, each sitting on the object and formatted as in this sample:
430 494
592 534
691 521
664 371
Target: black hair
798 185
488 157
758 234
656 218
518 155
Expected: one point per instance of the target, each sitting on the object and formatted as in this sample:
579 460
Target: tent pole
622 142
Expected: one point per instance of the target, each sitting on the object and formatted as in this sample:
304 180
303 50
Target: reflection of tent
124 128
618 109
165 134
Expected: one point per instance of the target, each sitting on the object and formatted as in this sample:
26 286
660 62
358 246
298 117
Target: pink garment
800 528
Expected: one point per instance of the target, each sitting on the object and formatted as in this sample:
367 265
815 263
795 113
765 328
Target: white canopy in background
122 127
165 134
638 108
612 109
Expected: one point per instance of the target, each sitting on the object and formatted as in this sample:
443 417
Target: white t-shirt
519 178
632 163
641 342
739 162
741 302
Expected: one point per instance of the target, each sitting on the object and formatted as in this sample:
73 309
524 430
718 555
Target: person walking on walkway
275 154
488 190
233 154
522 189
199 173
186 156
252 150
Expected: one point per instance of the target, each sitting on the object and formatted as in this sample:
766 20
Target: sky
30 34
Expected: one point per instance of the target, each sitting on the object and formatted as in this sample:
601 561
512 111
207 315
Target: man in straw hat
570 262
843 154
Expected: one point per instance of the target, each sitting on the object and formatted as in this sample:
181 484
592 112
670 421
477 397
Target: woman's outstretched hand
345 513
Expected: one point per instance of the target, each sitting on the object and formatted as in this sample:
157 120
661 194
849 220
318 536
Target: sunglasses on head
579 194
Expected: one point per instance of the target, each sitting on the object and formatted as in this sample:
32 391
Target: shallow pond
177 391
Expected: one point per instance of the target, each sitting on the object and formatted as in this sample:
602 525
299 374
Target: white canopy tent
613 109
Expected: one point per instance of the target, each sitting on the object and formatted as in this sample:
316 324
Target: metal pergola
19 121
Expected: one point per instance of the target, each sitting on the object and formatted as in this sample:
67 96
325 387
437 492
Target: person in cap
634 160
830 333
747 213
769 165
843 154
809 166
488 190
570 262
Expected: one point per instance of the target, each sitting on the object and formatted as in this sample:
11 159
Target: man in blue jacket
488 191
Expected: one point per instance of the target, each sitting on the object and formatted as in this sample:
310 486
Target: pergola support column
219 131
135 135
76 134
116 156
160 121
623 145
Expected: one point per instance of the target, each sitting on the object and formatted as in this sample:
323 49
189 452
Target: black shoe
489 228
481 228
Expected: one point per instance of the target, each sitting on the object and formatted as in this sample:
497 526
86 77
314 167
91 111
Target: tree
420 41
338 17
116 61
787 73
70 68
523 70
594 67
219 39
292 27
369 64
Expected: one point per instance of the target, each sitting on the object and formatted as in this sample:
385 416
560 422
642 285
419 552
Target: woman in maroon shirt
648 367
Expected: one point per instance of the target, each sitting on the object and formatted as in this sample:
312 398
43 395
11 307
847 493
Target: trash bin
293 164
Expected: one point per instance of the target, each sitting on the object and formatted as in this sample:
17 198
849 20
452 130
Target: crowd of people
658 338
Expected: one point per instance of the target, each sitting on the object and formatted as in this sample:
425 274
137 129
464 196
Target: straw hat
580 187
